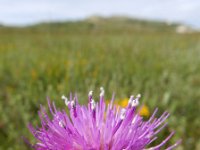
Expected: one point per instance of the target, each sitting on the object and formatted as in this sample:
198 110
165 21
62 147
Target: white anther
65 99
101 88
61 124
72 103
130 99
139 95
93 104
135 103
102 91
122 114
90 93
67 103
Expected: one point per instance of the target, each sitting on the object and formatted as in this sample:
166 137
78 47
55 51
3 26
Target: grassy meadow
124 56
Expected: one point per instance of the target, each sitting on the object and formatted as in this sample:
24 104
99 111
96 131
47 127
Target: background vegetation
123 55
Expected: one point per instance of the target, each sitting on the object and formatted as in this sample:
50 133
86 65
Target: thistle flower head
98 127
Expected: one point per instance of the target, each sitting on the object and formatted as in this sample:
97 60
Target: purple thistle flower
98 127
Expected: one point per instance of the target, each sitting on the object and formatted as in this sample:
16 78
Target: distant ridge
110 24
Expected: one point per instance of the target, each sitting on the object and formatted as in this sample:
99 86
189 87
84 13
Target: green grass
55 59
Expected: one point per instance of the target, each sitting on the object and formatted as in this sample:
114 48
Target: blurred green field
125 57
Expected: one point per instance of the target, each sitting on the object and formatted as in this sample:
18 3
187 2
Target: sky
26 12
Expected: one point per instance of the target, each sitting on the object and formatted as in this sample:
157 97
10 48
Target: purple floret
98 127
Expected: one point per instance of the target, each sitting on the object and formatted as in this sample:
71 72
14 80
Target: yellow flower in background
144 111
123 102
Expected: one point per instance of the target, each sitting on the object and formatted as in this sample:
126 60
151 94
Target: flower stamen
93 107
135 102
73 107
102 92
65 100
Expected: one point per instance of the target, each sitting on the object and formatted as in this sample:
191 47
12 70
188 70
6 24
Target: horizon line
50 20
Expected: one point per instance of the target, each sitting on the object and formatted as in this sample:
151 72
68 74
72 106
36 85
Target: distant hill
113 24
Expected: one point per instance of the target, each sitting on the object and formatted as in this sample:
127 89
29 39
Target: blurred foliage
126 57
